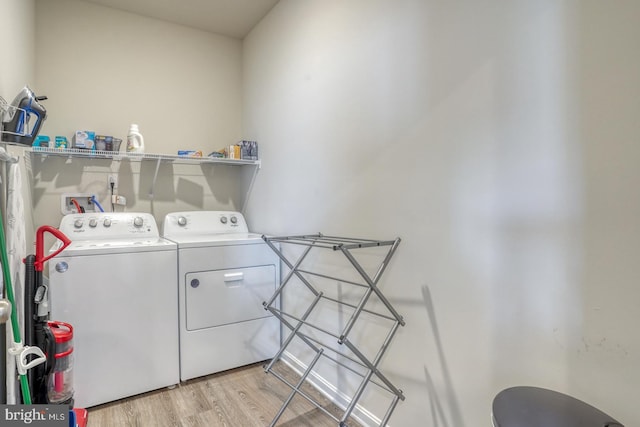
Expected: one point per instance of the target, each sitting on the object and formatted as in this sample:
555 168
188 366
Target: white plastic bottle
135 141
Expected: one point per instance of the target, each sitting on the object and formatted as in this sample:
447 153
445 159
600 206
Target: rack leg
293 270
356 397
373 369
294 332
385 420
373 283
354 316
374 366
296 388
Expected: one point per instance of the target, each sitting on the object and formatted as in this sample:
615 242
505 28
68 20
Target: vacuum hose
29 295
29 314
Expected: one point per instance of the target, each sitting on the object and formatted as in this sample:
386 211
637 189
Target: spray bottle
135 141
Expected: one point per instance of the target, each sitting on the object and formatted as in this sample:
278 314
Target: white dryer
116 284
224 275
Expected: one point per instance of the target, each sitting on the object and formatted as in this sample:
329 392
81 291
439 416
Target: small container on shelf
107 143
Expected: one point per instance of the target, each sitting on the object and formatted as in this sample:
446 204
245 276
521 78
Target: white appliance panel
220 345
218 240
215 257
94 247
203 223
124 317
212 350
221 297
223 325
116 285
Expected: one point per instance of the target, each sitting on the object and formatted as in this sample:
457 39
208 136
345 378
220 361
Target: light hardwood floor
242 397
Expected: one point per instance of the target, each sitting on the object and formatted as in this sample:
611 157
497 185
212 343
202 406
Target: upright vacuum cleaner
52 382
36 315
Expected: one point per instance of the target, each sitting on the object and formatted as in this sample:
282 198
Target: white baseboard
359 413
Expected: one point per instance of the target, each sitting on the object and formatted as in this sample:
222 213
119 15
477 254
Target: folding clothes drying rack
367 366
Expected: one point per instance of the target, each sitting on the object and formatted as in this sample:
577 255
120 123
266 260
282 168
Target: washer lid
103 247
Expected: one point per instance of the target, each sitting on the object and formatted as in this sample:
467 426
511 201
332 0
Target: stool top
537 407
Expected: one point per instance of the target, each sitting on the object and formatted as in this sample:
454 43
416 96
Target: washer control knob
93 223
138 222
78 223
223 219
182 221
107 222
234 220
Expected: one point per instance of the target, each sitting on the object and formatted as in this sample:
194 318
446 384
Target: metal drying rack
367 366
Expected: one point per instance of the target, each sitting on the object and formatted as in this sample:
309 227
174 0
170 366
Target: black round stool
538 407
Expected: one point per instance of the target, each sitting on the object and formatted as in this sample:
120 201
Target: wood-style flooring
242 397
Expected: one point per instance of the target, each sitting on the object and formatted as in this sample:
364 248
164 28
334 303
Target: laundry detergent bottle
135 141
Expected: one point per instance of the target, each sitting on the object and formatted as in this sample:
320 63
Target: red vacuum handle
40 258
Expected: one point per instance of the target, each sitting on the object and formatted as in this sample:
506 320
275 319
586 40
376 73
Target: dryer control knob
93 223
223 219
78 223
107 222
138 222
234 220
182 221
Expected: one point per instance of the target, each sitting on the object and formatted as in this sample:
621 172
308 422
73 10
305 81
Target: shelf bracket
248 192
155 178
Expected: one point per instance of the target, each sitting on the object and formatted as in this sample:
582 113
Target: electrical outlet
67 205
112 179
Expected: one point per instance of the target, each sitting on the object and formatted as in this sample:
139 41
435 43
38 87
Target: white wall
17 51
17 48
104 69
499 140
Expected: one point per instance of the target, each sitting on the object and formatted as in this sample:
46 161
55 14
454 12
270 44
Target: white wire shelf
123 155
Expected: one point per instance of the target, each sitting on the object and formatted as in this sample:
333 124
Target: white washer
116 285
224 275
